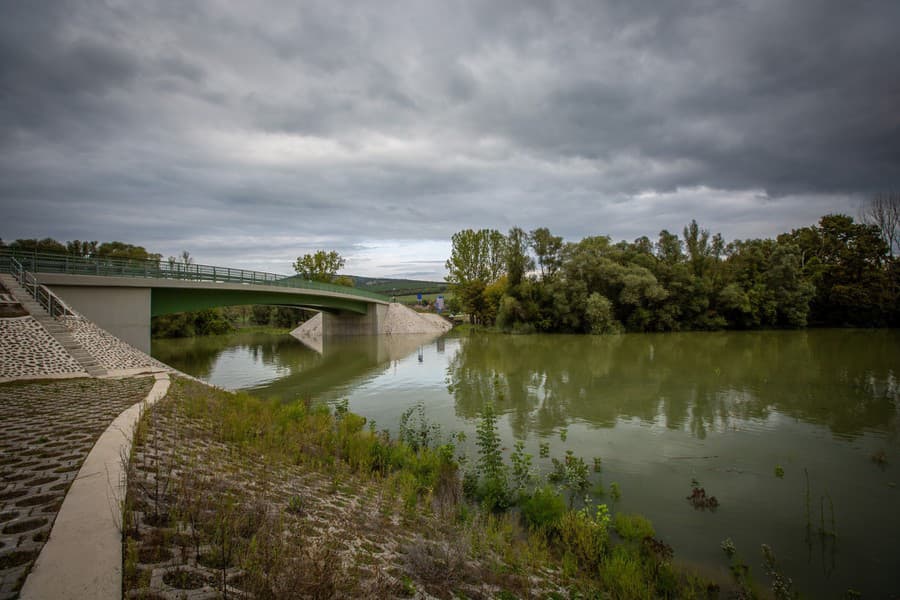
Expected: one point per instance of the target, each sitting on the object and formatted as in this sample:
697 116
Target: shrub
493 474
436 563
622 574
633 527
572 473
421 434
544 508
585 535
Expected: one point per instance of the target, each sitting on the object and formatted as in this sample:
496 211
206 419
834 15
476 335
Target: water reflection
693 382
661 411
283 367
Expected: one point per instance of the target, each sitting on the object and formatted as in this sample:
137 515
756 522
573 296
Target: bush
585 535
493 475
599 315
622 574
633 527
544 509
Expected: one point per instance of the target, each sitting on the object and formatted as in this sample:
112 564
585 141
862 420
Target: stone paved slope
28 351
48 430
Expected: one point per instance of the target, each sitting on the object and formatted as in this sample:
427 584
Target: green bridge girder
165 301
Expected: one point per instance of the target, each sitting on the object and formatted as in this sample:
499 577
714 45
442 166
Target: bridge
122 295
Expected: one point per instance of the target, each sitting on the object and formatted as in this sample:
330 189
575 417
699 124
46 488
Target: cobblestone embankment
27 351
116 356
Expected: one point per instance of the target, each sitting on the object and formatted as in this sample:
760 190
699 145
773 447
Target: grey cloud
349 121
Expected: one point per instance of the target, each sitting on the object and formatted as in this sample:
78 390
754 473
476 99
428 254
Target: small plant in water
492 475
659 552
598 464
781 585
563 434
544 449
342 408
880 458
779 471
572 474
419 433
701 501
614 492
740 571
522 472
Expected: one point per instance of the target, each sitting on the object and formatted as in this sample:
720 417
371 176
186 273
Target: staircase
53 326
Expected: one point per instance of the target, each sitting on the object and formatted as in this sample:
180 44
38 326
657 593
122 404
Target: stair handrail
41 293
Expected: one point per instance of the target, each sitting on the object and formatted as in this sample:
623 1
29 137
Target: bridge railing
50 301
42 262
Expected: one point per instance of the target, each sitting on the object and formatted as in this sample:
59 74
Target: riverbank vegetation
244 496
835 273
229 319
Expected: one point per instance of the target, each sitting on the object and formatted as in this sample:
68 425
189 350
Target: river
795 433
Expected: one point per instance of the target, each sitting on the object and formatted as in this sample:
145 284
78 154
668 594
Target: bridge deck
172 274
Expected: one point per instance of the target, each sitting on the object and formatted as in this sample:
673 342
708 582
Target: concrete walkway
83 556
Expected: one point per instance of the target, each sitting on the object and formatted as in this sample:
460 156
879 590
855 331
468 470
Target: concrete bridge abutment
122 311
345 323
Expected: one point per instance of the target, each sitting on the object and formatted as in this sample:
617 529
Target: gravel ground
401 319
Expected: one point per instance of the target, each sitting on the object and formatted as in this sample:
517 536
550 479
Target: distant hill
395 287
398 287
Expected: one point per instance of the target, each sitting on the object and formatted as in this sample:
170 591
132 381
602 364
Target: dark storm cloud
253 131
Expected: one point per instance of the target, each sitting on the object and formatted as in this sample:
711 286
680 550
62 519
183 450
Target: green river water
662 411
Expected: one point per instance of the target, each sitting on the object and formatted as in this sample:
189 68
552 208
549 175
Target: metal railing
41 262
42 295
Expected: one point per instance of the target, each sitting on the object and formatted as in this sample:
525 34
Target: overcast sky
249 133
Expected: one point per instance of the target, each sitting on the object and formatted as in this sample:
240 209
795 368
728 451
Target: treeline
835 273
81 248
217 321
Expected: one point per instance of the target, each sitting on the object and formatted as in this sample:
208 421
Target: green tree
82 248
791 290
468 260
477 260
319 266
518 261
599 314
846 261
696 242
121 250
262 314
669 248
548 249
35 245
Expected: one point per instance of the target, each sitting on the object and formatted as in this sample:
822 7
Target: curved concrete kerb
83 556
